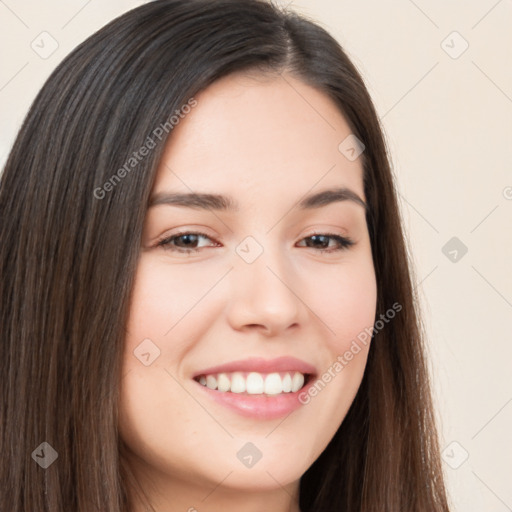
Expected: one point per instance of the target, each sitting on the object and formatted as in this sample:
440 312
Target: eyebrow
204 201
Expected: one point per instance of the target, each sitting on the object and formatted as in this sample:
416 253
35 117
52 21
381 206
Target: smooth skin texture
267 141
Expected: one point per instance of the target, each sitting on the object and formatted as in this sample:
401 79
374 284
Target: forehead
259 136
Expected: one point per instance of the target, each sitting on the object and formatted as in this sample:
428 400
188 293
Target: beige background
447 114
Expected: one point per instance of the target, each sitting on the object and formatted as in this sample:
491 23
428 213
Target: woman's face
256 293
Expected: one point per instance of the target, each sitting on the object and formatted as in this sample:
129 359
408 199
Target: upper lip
261 365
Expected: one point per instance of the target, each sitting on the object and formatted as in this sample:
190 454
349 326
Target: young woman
206 302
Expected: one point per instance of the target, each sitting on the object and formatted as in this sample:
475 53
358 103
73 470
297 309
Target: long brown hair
68 255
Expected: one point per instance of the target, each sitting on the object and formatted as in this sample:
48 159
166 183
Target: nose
266 295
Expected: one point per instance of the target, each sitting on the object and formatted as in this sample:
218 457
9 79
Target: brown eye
321 241
183 242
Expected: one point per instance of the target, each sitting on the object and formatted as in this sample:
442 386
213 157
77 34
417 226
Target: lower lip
264 407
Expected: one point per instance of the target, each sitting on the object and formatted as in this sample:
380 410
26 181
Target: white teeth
254 383
273 384
237 383
223 383
287 383
297 381
211 382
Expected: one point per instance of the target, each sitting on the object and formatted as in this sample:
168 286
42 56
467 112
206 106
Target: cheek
154 310
346 304
160 297
345 300
149 395
164 298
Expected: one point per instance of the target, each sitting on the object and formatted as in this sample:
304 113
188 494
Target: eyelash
165 243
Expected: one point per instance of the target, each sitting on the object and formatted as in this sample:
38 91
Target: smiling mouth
255 383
